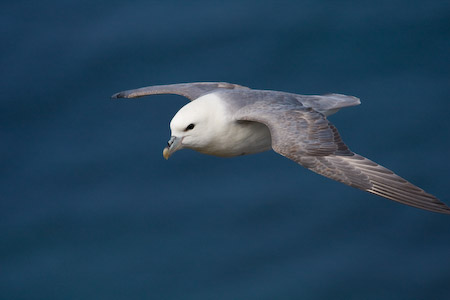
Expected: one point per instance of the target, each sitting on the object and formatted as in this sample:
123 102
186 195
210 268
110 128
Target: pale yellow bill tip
166 153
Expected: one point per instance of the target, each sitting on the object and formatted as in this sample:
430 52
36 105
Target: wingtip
445 208
118 95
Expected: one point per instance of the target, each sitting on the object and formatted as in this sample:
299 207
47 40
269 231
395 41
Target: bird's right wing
189 90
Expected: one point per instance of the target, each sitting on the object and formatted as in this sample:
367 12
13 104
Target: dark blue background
91 210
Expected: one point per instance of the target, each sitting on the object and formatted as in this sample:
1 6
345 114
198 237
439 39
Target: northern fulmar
228 120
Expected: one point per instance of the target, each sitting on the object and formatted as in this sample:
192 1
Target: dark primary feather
308 138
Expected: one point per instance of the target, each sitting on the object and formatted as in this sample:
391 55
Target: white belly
241 138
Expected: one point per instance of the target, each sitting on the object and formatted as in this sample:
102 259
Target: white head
196 125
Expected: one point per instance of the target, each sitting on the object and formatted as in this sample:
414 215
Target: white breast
235 138
245 138
222 134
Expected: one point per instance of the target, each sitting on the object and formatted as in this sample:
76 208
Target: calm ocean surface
91 210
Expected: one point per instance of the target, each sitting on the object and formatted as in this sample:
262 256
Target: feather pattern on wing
308 138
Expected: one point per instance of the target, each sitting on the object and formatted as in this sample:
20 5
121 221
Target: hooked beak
173 145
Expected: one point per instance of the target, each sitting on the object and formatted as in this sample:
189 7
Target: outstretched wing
326 104
308 138
189 90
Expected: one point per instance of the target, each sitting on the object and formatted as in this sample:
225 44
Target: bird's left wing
308 138
189 90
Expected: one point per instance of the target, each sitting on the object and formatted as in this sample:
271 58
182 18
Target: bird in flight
227 120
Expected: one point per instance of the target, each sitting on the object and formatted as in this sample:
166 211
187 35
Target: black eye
190 126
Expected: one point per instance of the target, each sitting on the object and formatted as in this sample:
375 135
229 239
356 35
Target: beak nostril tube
172 145
170 142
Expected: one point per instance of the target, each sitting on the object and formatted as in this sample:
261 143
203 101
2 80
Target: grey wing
189 90
308 138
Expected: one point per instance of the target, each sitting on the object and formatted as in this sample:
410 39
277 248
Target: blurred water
90 210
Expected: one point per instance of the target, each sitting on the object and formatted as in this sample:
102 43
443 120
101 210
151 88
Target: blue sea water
91 210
